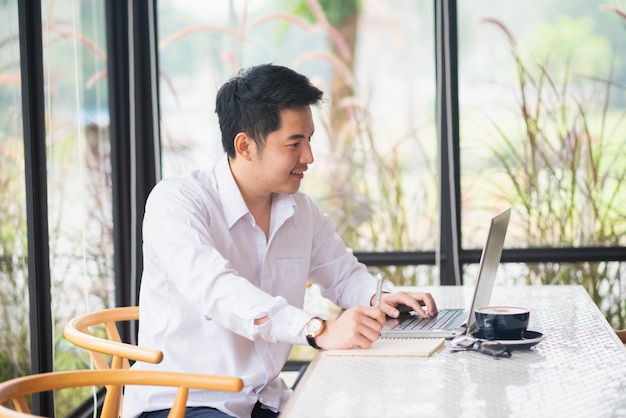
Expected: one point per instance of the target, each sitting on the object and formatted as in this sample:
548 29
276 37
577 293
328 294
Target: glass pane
542 106
79 170
375 135
14 313
605 282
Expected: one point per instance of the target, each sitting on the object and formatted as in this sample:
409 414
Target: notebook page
399 347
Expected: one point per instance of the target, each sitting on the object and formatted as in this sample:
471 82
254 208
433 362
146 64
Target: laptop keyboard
441 321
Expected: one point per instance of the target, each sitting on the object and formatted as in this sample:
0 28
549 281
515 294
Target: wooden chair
78 332
17 390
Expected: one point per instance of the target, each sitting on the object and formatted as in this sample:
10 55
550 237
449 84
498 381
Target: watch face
313 326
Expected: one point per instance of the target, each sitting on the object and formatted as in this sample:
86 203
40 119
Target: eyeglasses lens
491 348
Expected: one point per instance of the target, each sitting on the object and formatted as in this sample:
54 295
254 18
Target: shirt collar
233 205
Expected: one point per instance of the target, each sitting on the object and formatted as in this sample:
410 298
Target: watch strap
311 340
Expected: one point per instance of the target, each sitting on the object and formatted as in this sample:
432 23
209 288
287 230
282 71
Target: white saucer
530 339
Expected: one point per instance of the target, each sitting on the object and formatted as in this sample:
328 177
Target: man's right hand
358 327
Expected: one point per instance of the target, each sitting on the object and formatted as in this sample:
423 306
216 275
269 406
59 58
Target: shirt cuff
287 324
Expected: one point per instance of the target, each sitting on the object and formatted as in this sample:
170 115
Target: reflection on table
577 370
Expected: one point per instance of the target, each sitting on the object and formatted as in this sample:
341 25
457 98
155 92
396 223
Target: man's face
287 153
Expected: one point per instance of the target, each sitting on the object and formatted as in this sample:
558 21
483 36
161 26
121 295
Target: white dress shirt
209 272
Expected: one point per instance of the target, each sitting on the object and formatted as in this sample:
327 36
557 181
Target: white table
578 370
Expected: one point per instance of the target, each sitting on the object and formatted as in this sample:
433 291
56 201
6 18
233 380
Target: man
228 253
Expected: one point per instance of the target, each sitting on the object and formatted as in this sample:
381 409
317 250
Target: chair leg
300 373
112 402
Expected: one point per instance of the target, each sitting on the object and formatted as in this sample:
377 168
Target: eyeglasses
490 348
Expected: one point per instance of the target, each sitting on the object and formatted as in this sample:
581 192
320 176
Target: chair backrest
17 390
81 332
78 332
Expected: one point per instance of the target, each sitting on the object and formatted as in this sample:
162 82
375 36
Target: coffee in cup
502 322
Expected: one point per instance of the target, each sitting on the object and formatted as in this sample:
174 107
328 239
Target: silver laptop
456 321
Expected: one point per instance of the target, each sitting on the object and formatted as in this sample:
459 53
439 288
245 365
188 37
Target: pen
379 290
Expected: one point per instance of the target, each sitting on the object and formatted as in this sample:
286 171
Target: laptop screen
489 262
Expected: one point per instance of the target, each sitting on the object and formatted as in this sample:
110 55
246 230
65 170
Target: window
542 120
551 147
375 134
14 326
542 107
78 185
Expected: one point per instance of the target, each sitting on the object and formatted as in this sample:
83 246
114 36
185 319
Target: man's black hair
251 102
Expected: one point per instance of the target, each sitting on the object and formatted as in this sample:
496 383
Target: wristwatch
312 329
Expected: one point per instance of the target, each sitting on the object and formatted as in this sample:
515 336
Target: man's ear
244 145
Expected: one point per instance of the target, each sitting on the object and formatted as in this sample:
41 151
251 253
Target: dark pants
205 412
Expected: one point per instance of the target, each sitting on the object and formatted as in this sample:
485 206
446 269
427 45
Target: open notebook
400 347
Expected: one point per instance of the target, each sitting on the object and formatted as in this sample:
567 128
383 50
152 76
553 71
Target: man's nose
307 154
